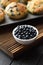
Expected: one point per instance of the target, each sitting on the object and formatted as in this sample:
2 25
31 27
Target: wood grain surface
10 46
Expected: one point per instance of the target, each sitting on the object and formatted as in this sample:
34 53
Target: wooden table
10 46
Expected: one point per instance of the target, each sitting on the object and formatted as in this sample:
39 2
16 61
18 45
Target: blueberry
19 36
26 36
16 31
31 36
30 30
21 33
35 34
34 30
11 10
24 29
29 33
26 33
27 29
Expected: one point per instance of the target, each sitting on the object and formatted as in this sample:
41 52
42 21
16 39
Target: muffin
16 10
4 3
2 14
35 6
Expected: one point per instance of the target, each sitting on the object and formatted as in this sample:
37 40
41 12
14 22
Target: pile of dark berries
25 32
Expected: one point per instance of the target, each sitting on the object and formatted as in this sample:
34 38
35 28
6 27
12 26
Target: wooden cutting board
11 47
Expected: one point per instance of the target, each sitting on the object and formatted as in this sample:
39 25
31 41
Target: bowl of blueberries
25 34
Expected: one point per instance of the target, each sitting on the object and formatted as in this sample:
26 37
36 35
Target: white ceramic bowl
25 41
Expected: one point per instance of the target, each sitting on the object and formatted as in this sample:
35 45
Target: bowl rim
25 39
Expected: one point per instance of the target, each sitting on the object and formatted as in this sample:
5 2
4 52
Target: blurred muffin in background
4 3
0 1
35 6
16 10
2 15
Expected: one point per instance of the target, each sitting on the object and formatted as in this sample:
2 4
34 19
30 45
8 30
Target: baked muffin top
16 9
35 6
